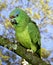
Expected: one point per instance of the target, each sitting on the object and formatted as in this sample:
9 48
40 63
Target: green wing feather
34 34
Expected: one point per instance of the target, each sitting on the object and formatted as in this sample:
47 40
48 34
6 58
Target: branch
21 51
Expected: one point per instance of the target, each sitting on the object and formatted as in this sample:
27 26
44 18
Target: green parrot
26 31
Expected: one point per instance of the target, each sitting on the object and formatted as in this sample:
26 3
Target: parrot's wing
34 34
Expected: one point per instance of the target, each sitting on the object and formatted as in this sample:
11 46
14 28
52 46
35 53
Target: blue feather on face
17 13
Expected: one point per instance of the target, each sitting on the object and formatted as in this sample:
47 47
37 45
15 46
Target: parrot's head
19 17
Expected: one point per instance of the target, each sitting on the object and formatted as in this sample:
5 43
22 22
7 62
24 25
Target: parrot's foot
24 62
29 50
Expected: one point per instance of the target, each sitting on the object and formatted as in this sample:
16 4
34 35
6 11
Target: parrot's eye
14 21
17 15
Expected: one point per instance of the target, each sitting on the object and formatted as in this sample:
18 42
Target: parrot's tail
38 51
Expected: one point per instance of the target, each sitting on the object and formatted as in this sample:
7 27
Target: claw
29 50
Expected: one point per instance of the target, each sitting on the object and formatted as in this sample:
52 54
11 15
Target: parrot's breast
24 38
